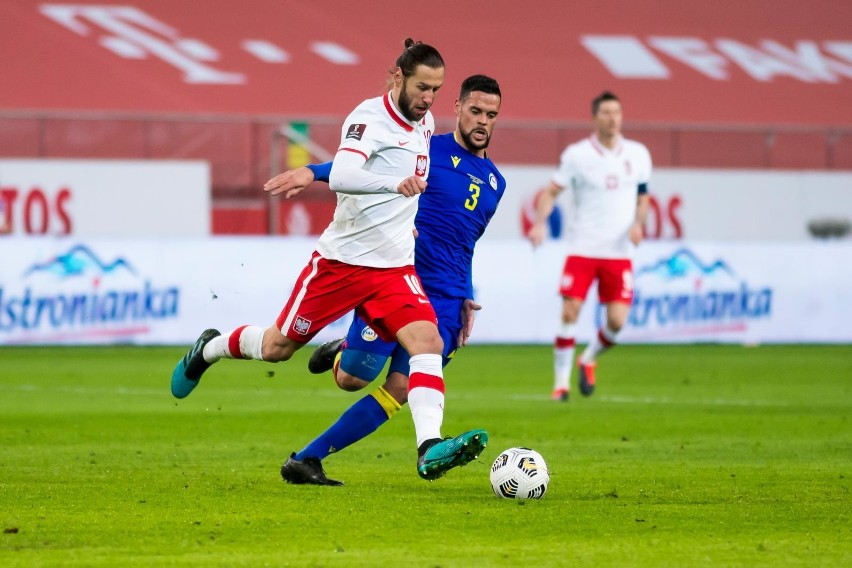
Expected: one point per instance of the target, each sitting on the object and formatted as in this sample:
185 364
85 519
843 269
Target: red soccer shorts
614 276
387 298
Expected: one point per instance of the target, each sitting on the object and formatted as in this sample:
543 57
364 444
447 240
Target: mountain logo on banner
76 296
687 296
683 263
80 260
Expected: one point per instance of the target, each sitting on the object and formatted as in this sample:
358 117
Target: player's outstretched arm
468 308
290 183
348 176
544 207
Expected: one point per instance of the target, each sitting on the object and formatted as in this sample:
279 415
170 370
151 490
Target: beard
404 103
467 137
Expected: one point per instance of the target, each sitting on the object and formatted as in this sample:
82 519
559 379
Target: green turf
686 456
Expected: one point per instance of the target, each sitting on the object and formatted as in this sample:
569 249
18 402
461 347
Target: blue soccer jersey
461 196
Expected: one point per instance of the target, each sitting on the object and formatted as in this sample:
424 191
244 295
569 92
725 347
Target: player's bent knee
421 337
349 383
428 344
571 310
361 365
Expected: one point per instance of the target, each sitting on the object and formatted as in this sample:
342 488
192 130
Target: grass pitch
685 456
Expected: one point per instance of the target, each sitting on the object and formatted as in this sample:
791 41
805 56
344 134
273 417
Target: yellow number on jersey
474 197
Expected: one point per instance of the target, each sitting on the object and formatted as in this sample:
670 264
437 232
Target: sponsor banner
700 204
99 198
684 292
166 291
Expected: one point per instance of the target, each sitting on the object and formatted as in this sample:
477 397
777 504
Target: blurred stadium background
136 136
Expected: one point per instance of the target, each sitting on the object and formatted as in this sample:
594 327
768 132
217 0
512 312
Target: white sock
563 362
563 356
603 340
426 395
247 341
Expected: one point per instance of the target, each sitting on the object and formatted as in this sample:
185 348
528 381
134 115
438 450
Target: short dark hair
602 98
417 53
481 83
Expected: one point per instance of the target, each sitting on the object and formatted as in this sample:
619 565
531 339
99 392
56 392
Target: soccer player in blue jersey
463 191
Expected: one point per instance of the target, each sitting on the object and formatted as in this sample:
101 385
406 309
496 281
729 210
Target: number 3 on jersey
470 203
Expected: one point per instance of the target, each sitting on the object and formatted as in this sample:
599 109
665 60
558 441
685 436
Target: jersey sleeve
321 171
349 176
361 133
564 175
648 167
645 166
361 138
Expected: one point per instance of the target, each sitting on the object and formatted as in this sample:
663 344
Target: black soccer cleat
322 359
586 374
305 472
189 369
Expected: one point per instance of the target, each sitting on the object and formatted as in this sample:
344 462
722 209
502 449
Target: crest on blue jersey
367 334
492 179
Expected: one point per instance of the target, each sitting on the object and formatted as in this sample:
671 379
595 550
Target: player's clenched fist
411 186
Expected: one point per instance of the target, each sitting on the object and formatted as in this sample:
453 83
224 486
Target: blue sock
357 422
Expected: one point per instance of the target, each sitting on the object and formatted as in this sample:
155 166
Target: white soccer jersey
603 184
373 224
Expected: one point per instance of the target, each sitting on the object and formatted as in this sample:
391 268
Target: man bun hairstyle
417 53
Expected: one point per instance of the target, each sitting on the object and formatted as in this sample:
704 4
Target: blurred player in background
464 190
607 176
364 259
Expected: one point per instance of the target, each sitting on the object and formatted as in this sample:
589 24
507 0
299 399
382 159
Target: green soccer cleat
189 369
444 455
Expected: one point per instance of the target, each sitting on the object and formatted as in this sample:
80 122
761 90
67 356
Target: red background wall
66 94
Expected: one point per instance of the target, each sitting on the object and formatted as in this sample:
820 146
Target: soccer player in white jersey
607 176
364 259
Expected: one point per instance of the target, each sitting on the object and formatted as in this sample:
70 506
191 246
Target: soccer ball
519 473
